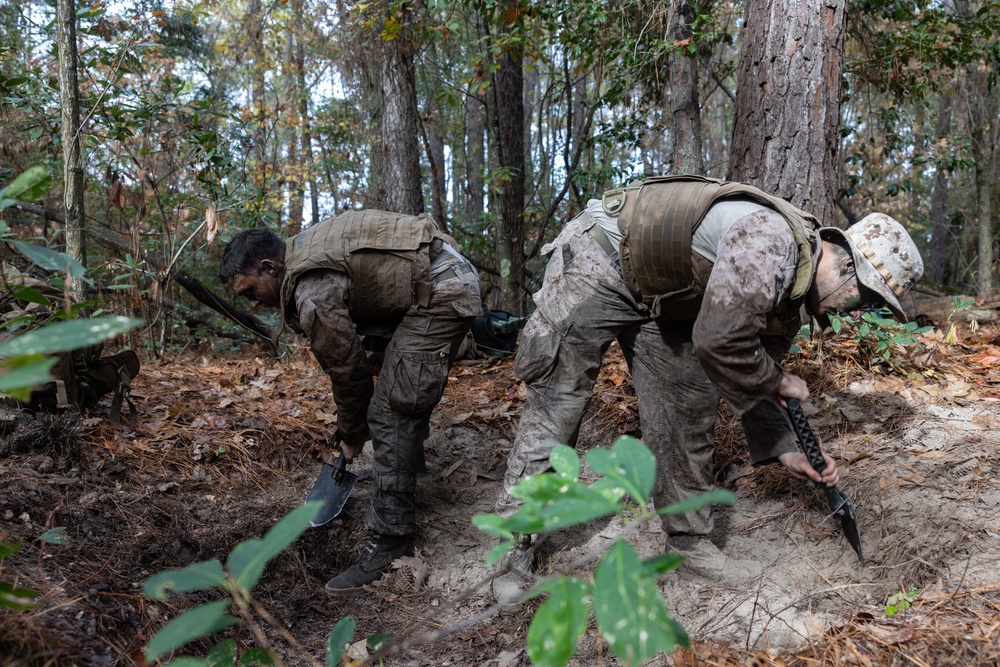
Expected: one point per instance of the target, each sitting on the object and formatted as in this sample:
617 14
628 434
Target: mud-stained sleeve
753 272
321 302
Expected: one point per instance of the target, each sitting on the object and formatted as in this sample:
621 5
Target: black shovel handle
808 439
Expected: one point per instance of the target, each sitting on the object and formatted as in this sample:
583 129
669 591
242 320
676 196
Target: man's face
261 287
838 291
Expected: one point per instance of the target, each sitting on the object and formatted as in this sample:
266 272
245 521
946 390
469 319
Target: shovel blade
333 487
842 506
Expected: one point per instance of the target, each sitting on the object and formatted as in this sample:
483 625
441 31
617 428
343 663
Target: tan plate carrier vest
387 257
658 218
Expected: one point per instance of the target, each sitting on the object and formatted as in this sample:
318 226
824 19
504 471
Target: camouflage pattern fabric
680 368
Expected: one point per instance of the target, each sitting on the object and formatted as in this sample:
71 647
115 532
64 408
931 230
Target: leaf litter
222 451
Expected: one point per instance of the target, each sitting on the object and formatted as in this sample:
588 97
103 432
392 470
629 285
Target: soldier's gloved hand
798 466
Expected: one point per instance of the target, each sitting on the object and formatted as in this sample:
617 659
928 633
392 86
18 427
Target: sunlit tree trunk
788 101
69 98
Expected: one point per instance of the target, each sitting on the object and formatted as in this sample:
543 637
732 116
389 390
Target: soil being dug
221 452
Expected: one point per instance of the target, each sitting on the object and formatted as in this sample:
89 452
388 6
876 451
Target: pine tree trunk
788 101
687 155
938 260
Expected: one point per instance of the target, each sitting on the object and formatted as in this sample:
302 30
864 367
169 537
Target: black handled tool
333 487
840 504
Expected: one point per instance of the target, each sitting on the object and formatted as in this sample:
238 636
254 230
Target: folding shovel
840 504
333 487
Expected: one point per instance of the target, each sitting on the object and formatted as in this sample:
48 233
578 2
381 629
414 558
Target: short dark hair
244 253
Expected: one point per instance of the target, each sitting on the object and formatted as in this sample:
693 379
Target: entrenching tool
333 487
840 504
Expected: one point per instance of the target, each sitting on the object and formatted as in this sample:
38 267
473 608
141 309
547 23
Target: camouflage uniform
394 413
744 322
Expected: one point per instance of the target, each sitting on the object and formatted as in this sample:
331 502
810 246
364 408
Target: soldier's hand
798 466
351 451
791 386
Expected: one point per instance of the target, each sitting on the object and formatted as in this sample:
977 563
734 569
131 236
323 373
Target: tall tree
788 100
69 97
505 132
399 129
686 156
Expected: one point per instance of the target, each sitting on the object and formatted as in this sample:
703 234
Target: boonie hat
885 257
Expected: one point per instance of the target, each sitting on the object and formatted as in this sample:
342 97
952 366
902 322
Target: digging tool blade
333 487
840 505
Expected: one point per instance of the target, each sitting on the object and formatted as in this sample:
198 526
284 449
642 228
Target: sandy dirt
220 453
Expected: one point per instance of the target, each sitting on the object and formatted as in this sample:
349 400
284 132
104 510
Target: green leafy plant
11 596
901 601
877 334
622 593
235 580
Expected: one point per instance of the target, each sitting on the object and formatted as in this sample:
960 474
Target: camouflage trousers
583 305
411 382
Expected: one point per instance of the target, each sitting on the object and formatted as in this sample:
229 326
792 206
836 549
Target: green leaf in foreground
713 497
629 610
53 260
339 640
247 561
65 336
24 373
559 623
28 187
196 577
20 599
629 463
199 622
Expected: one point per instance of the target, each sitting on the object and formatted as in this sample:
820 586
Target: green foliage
901 601
623 594
877 334
13 597
244 568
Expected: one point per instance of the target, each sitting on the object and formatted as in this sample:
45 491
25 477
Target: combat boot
374 561
519 562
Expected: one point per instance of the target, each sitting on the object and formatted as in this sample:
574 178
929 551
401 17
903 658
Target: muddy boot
508 588
701 557
374 561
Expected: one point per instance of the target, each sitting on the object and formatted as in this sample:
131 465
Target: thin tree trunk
939 198
475 158
69 98
788 101
686 156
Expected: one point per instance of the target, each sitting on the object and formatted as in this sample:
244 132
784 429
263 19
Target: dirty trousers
583 305
411 382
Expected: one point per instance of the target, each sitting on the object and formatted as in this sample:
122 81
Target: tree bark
788 101
505 132
399 123
475 158
69 98
938 260
686 155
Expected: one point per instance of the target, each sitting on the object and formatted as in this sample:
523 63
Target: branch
109 239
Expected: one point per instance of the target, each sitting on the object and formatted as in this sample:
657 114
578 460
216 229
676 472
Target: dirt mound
221 453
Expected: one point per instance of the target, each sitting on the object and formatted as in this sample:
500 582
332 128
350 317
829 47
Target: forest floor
221 452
